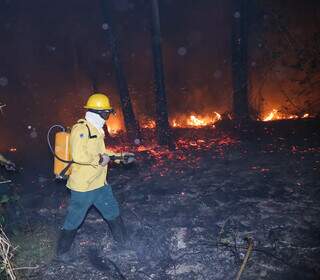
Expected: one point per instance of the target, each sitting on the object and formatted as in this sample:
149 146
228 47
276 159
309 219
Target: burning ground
188 211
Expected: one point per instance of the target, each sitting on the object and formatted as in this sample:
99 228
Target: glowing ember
277 115
148 124
174 123
113 131
187 153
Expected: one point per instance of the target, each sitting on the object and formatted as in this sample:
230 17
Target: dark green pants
80 202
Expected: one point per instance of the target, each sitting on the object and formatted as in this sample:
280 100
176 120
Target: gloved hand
104 160
128 158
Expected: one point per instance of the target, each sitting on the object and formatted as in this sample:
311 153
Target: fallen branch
26 268
5 181
6 255
250 247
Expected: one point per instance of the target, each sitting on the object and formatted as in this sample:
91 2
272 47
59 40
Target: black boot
118 230
64 243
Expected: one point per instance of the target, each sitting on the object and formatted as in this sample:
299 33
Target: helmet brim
98 108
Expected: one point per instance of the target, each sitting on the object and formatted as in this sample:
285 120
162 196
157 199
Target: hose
49 143
52 151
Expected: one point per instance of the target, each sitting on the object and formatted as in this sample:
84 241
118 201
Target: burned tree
92 73
239 59
163 129
131 123
75 64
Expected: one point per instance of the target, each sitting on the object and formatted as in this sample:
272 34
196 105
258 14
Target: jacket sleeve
79 147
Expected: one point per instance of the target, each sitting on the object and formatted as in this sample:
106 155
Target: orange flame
277 115
196 121
271 116
182 121
115 124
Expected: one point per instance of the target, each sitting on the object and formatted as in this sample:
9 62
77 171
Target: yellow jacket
86 145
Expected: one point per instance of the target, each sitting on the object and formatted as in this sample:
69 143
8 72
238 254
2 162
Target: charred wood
239 59
163 128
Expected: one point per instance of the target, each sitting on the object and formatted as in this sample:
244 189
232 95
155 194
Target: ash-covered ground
189 212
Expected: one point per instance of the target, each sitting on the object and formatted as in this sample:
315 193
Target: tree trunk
239 59
131 123
163 129
92 73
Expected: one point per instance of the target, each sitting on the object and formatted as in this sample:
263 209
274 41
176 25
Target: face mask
95 119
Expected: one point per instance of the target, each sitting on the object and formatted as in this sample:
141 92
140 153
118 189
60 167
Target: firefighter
87 180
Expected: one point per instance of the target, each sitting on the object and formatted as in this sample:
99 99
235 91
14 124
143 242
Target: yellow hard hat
98 101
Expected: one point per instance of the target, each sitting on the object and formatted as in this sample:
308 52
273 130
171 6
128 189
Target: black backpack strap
90 135
89 132
64 170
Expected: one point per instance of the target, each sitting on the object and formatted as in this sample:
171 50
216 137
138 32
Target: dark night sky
51 49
